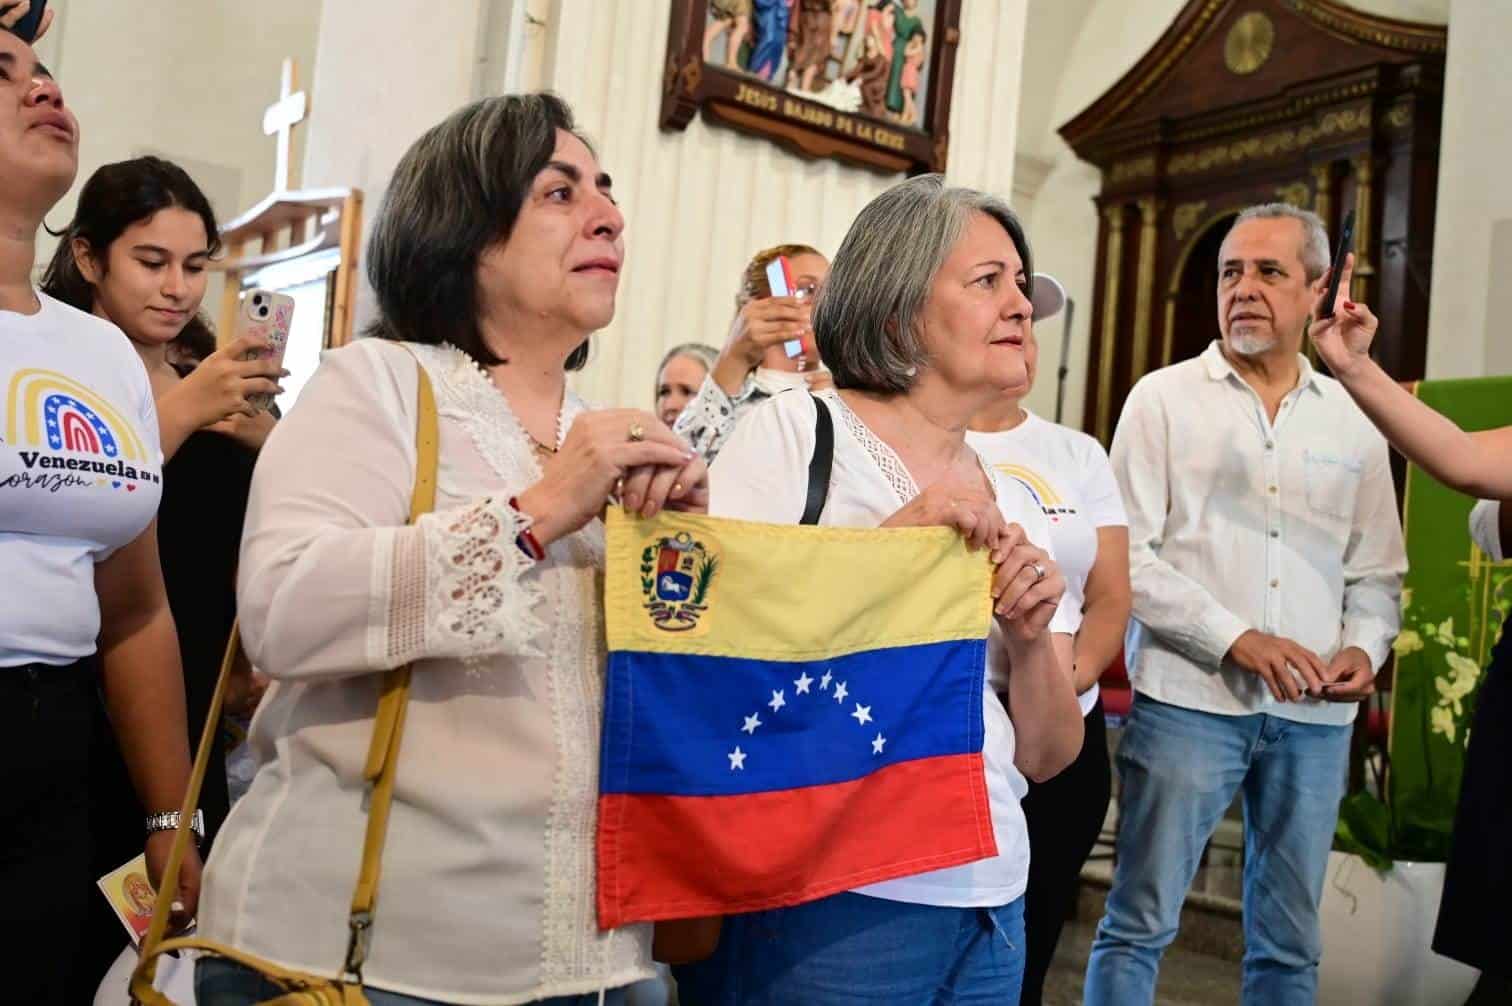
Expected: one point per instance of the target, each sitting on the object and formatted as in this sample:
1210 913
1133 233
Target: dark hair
115 197
457 192
196 339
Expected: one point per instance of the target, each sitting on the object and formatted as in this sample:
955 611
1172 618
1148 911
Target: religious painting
863 80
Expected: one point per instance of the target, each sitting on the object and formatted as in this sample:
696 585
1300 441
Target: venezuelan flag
789 713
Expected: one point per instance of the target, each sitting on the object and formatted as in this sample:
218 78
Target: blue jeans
1179 770
851 949
219 982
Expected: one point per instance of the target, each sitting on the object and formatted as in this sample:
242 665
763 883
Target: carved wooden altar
1248 101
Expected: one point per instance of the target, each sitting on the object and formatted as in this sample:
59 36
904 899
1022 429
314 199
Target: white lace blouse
487 893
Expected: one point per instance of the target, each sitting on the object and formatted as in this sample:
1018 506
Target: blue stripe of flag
682 725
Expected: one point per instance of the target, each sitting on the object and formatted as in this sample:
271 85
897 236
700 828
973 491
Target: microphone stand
1065 368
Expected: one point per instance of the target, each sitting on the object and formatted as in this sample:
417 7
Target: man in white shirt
1266 562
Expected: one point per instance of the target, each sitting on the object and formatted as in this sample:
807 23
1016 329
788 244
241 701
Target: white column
1468 329
385 72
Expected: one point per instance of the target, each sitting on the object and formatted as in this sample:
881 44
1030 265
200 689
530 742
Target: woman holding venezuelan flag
922 322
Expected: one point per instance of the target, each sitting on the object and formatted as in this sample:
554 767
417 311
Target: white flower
1408 642
1443 722
1464 671
1445 633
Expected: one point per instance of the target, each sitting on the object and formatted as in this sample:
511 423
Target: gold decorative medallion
1249 43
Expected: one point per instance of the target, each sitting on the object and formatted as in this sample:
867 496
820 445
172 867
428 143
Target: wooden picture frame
878 105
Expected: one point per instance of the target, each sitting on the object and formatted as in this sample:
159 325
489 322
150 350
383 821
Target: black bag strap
821 463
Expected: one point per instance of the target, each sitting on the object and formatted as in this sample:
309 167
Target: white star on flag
824 681
802 683
751 723
840 692
877 743
862 714
777 701
737 759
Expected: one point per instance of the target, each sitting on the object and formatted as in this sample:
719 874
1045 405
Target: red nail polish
1349 304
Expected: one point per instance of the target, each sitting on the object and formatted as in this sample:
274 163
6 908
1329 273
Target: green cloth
904 25
1453 604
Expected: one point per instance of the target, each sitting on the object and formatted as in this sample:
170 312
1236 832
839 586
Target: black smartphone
26 28
1346 238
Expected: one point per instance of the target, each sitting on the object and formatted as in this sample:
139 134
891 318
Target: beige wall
1468 330
1091 44
186 79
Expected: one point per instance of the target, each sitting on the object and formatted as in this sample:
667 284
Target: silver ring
1039 572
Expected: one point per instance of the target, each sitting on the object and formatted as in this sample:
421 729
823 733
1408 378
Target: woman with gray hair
922 322
495 257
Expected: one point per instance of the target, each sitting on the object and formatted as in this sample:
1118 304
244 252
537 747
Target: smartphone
780 284
1346 238
267 315
26 28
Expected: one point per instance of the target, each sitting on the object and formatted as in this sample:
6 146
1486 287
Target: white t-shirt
1068 474
761 474
80 474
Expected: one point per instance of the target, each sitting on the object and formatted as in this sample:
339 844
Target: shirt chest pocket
1332 481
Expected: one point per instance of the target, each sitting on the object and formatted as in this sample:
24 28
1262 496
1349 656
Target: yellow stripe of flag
681 583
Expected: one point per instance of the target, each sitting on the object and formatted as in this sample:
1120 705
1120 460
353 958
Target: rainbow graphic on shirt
1043 492
56 416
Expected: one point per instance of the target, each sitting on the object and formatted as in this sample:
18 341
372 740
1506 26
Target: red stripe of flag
676 857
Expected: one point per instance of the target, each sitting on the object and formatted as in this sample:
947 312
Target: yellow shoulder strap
388 728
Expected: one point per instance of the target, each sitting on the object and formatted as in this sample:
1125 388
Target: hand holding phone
1346 238
267 316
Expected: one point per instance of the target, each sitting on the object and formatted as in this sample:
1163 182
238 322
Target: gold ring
637 433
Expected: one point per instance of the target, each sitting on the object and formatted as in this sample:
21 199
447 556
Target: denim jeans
1179 770
219 982
852 949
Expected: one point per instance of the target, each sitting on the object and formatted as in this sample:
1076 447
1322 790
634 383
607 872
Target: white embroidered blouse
487 893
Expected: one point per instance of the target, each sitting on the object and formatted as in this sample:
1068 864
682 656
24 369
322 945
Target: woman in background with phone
770 349
136 254
1473 925
79 489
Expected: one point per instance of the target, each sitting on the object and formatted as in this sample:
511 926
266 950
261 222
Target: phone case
269 316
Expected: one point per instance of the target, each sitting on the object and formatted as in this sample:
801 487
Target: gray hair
867 315
706 355
1315 254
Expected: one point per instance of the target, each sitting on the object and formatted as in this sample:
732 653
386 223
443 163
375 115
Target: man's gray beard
1251 345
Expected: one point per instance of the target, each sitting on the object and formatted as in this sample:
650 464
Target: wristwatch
168 820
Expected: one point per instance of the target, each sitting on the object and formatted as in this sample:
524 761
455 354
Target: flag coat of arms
790 712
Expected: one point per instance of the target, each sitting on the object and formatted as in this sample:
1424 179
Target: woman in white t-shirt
80 478
922 323
1068 474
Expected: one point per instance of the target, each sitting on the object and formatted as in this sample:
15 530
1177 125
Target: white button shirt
1237 523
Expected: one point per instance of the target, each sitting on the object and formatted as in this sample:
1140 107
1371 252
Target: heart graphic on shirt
115 485
131 489
100 482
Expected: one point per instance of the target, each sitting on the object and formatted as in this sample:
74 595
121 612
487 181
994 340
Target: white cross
751 723
777 701
280 119
840 692
877 743
737 759
802 683
862 714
